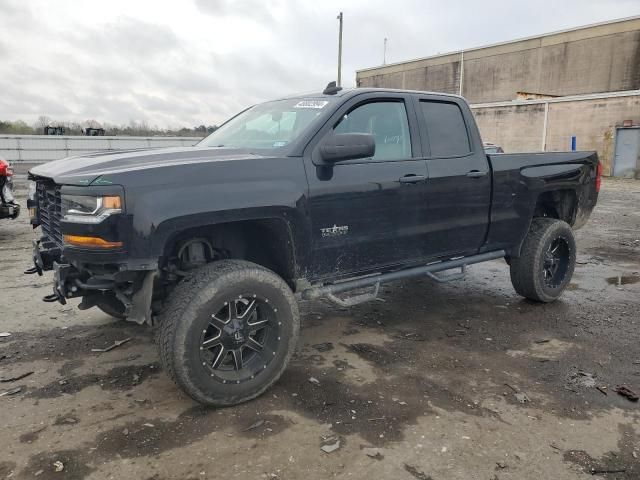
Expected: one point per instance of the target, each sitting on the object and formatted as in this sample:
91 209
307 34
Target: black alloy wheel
241 339
556 262
228 332
546 262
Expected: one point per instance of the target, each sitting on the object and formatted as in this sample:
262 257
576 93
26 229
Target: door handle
476 174
412 179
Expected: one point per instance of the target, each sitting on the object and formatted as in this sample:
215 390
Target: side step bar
425 270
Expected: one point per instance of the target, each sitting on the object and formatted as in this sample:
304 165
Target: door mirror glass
347 146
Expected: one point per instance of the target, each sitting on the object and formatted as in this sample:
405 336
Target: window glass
387 122
446 129
268 125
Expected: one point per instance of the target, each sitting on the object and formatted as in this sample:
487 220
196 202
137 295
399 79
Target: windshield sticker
279 144
311 104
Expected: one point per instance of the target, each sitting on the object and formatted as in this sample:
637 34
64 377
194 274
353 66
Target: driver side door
368 214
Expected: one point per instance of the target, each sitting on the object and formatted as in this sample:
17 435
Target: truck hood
86 169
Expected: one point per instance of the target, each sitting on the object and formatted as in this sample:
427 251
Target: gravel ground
464 380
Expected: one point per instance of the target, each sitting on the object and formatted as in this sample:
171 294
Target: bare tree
43 121
93 124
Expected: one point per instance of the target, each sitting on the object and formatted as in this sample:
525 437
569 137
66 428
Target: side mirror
347 146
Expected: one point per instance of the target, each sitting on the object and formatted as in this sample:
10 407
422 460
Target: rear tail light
5 169
598 176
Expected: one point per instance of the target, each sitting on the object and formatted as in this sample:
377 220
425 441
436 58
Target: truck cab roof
345 93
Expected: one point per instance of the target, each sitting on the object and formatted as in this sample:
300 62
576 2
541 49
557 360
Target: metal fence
34 149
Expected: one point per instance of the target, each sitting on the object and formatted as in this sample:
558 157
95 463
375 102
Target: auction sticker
311 104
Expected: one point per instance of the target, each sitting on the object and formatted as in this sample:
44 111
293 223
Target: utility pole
384 54
339 17
461 71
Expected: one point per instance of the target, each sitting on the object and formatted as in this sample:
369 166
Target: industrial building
537 93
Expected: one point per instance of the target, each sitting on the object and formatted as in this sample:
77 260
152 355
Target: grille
50 210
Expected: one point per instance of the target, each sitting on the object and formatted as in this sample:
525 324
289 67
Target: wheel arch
560 204
265 240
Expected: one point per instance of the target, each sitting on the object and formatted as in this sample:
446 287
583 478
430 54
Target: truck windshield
268 125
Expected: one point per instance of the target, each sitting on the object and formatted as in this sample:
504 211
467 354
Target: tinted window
387 122
446 129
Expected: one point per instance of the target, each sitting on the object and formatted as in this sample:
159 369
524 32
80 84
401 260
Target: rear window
446 129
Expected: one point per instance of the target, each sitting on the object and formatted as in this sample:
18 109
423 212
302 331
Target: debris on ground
115 344
330 445
413 336
542 340
602 390
373 453
15 379
598 471
323 347
58 466
627 393
583 379
314 380
5 334
420 475
520 396
13 391
253 426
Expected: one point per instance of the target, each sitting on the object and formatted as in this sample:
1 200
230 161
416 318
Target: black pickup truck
311 196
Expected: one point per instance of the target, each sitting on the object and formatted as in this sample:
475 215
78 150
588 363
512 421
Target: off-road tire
528 274
186 317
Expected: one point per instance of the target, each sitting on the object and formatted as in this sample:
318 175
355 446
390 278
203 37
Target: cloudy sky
189 62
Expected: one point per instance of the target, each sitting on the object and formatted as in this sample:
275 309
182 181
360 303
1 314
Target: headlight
89 209
32 190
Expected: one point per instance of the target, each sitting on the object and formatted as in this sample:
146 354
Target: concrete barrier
24 151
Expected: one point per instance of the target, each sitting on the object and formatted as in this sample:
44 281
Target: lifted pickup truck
311 196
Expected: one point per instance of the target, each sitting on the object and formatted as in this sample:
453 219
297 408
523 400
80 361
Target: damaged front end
85 233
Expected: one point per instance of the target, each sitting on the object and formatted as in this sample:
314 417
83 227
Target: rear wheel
228 332
546 262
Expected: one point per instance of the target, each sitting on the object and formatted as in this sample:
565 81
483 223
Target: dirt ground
464 380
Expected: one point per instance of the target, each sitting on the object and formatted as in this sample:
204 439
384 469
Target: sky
192 62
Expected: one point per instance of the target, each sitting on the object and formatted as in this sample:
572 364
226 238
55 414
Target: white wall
34 149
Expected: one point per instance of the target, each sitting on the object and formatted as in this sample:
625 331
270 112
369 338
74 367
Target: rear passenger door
367 213
459 188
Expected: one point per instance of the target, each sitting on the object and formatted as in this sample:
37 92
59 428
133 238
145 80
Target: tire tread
177 303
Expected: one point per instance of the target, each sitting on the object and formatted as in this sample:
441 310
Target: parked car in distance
492 148
9 208
308 196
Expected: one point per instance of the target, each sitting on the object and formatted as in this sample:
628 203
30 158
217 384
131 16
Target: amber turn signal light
112 202
91 242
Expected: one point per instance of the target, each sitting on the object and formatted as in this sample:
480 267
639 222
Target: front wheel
228 332
546 262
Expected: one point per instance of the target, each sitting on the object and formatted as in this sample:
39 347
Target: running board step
330 291
356 299
448 278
